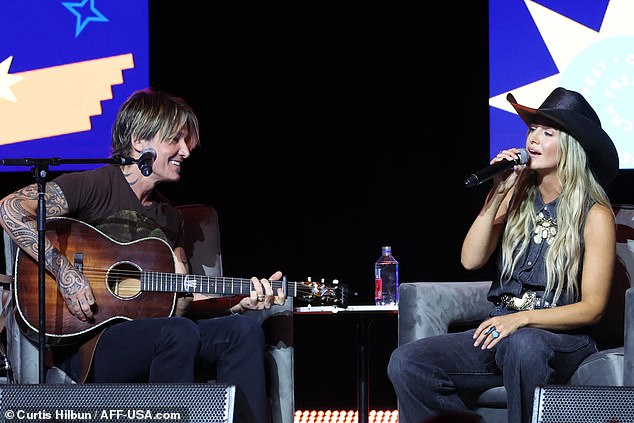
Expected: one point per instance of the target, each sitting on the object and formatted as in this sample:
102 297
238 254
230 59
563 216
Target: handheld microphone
145 162
495 169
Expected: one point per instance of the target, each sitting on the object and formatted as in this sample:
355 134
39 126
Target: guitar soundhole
124 280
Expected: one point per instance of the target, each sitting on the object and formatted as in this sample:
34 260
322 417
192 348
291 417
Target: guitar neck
202 284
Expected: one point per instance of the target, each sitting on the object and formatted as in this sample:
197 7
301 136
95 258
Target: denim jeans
229 349
427 374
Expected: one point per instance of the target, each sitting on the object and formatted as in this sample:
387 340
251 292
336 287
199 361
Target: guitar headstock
322 294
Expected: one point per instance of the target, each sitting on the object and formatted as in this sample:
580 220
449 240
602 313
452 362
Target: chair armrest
628 359
430 308
277 323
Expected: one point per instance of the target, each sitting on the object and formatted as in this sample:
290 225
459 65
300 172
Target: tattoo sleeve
18 216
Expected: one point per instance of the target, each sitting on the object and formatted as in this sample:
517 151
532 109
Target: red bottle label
378 289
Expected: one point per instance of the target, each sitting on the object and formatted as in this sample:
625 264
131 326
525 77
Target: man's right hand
77 293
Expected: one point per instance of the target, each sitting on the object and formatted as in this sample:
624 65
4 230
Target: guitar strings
94 273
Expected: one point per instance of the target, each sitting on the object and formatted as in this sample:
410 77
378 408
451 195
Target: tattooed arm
18 216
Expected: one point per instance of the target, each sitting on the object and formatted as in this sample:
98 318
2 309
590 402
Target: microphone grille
149 150
522 156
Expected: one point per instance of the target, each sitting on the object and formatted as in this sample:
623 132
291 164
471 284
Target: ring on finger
495 334
491 330
261 298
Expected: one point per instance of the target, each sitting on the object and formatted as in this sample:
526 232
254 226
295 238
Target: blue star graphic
91 14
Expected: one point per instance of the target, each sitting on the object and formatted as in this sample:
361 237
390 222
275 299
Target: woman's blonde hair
580 190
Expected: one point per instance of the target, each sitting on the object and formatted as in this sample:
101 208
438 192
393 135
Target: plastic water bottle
386 278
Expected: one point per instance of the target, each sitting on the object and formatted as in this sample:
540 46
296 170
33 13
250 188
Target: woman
553 228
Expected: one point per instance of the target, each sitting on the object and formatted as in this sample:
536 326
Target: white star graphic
7 80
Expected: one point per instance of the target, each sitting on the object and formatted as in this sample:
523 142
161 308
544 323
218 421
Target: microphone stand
40 169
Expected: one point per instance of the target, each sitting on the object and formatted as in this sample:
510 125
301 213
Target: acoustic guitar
132 280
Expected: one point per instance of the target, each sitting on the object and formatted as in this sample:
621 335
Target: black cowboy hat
570 110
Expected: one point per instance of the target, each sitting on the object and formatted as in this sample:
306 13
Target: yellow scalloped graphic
61 99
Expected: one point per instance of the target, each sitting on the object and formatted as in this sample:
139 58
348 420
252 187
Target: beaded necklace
545 229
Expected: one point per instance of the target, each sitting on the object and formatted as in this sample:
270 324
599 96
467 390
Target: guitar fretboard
202 284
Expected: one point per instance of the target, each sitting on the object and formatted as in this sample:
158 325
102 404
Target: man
123 202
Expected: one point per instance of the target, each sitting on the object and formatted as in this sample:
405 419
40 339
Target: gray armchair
432 308
204 253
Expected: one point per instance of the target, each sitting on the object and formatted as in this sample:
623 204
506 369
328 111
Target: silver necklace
545 229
